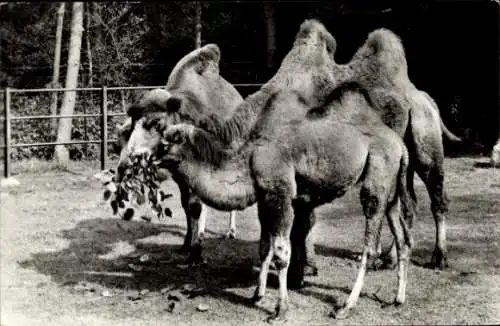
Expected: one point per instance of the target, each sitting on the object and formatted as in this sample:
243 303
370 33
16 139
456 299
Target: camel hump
314 26
200 60
383 51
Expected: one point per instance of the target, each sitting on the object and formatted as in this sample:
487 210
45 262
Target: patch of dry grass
61 249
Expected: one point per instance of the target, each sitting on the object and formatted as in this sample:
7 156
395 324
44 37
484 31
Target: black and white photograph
239 162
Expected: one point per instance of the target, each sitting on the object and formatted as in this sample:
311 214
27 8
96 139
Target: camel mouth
168 162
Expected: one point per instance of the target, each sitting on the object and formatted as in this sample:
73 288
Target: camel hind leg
302 260
427 149
275 189
379 182
374 203
403 241
231 232
276 215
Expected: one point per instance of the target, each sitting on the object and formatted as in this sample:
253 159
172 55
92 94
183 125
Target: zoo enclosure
103 115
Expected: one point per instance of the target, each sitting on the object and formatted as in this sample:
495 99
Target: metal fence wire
104 116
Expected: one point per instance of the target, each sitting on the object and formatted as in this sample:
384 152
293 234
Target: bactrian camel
380 67
195 79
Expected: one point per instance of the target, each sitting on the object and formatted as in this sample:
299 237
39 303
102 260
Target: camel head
141 114
177 143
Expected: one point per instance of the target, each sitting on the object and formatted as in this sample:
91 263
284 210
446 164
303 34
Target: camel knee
281 252
370 202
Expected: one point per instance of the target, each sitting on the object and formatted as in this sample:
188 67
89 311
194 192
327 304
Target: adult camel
195 79
291 164
380 67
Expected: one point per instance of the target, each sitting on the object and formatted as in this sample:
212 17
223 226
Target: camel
291 166
196 80
307 67
380 67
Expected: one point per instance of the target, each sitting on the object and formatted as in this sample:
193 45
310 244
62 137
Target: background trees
452 48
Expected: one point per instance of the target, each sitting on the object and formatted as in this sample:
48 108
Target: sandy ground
65 260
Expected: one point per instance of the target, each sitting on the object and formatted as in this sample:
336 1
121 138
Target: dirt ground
66 260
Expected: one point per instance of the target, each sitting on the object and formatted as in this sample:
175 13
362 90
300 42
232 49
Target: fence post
6 171
104 126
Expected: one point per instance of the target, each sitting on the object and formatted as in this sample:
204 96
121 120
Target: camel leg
389 260
311 267
427 148
193 208
374 194
231 233
403 242
372 236
202 222
265 255
276 214
281 256
302 256
434 180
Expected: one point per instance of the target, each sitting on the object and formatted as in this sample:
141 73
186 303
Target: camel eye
175 138
151 123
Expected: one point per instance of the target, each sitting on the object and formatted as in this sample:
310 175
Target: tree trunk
57 63
69 99
198 24
88 16
269 16
90 82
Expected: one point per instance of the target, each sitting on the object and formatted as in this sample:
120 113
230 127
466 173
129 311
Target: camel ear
173 104
135 112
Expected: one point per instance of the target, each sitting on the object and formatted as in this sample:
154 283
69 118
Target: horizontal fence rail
104 115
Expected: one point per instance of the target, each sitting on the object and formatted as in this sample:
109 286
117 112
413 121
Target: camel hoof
294 284
382 263
310 270
279 316
184 249
256 299
438 261
396 303
231 234
195 259
201 236
341 313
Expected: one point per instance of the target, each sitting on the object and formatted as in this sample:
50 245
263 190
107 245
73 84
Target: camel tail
447 133
408 209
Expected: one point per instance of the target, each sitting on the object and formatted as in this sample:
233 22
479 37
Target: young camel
196 80
291 167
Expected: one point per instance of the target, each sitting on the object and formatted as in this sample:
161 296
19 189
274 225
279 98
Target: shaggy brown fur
196 81
294 166
380 66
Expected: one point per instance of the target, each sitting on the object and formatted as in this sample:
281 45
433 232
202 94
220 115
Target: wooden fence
7 119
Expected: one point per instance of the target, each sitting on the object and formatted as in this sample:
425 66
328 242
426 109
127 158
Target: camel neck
228 186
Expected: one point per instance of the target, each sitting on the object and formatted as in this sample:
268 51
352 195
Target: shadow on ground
91 257
229 264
